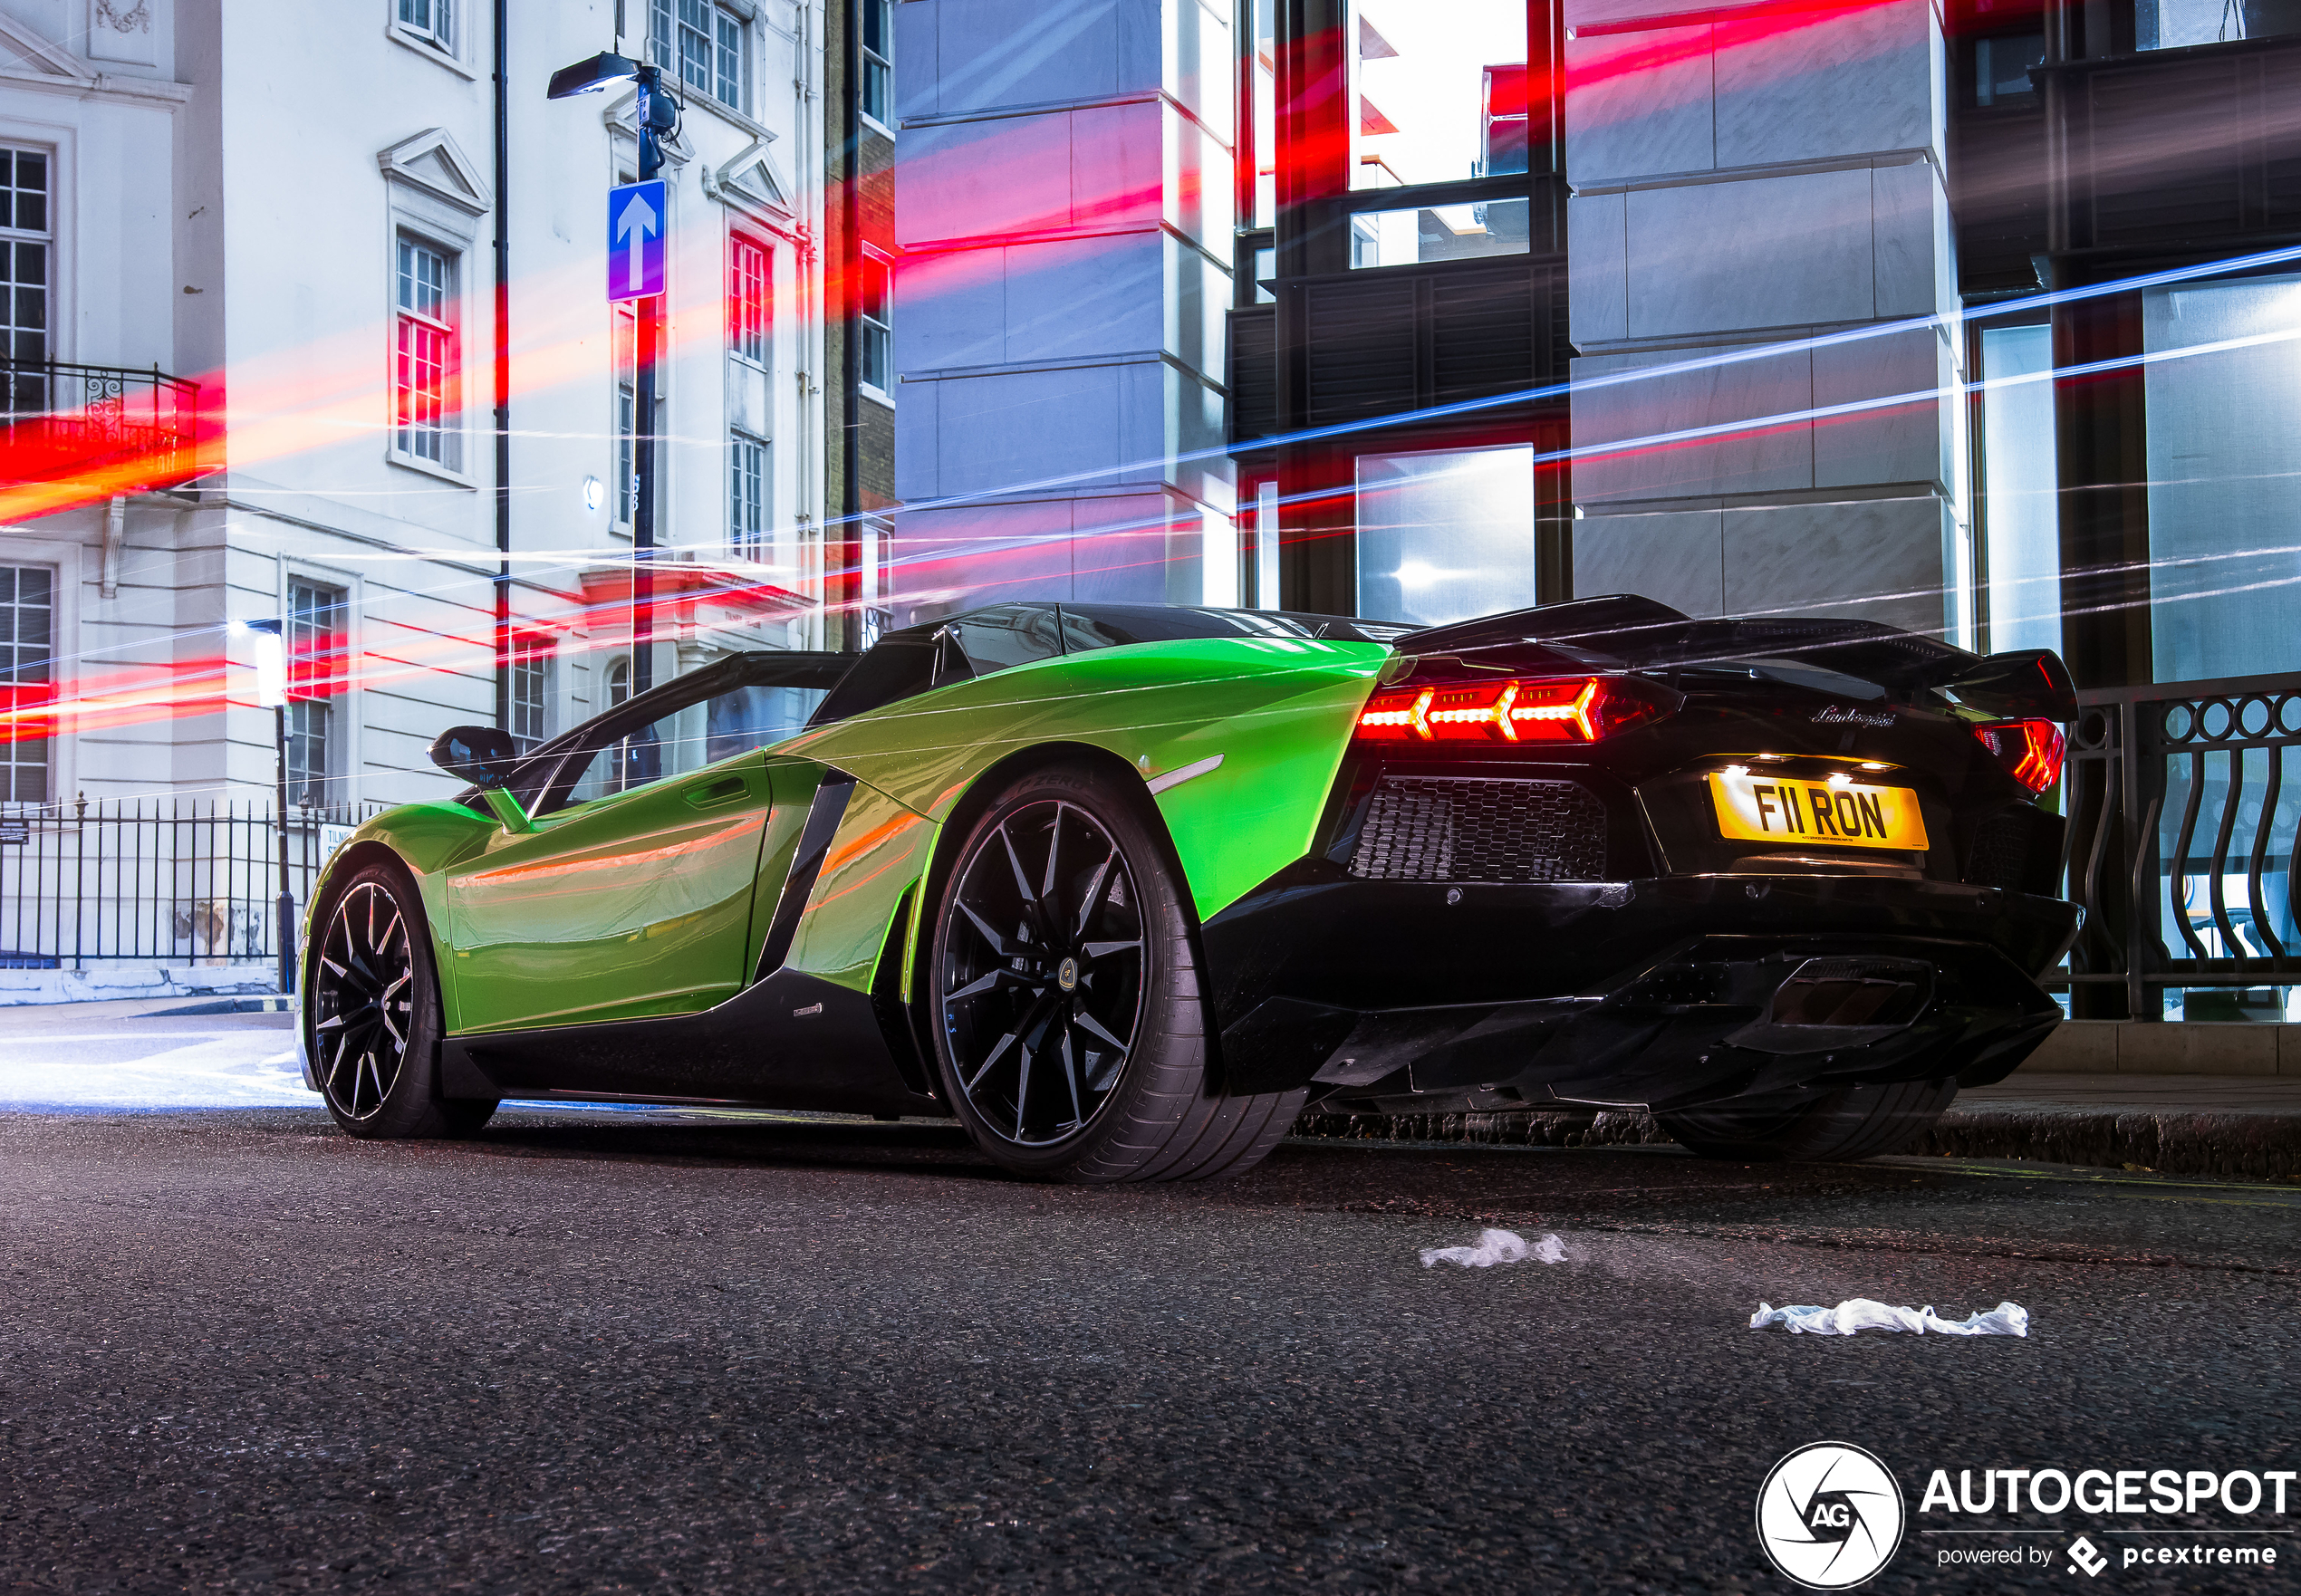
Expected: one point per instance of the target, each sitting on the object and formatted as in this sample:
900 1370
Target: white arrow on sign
637 223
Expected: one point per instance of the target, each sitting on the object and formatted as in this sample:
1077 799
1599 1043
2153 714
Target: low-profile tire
1068 1025
1835 1127
371 1017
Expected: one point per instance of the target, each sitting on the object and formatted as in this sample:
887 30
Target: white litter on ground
1498 1246
1862 1314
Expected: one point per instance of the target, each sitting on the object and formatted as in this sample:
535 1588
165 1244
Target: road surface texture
600 1351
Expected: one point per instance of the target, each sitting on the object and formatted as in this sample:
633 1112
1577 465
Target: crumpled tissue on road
1498 1246
1862 1314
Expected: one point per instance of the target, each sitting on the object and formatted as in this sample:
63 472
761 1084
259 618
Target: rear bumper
1647 992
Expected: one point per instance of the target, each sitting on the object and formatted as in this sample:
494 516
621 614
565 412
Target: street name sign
637 220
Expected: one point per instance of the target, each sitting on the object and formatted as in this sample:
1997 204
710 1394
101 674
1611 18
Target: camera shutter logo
1829 1516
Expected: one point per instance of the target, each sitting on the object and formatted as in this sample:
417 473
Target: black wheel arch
353 858
980 794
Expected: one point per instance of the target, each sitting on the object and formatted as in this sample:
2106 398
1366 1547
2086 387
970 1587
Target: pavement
2248 1126
675 1350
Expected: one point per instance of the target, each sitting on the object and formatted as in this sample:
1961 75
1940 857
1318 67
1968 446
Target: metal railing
63 415
168 882
2181 845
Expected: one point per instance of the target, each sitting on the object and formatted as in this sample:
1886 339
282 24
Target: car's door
633 895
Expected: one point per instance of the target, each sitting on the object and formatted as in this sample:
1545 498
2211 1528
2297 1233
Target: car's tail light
2030 750
1578 709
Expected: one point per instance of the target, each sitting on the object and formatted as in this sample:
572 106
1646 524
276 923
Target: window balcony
112 429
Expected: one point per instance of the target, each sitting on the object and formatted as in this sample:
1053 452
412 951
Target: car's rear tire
371 1019
1064 998
1836 1127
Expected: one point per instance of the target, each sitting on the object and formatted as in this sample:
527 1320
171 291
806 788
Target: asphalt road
600 1351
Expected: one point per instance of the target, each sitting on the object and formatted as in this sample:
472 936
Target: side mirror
481 754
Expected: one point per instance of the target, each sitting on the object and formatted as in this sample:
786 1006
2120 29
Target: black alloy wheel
1044 955
363 998
1068 1029
372 1014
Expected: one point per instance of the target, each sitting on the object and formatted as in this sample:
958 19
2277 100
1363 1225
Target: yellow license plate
1848 814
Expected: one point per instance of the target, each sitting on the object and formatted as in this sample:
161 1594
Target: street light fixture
271 692
658 114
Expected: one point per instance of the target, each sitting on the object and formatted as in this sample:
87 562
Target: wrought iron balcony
127 431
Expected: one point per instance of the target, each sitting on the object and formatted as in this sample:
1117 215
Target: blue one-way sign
637 219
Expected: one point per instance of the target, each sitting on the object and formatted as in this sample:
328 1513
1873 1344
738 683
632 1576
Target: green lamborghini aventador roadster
1122 888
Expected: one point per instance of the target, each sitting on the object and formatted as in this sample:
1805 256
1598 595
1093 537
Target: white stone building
297 207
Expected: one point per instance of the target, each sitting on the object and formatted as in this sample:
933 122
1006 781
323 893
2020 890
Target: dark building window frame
1330 351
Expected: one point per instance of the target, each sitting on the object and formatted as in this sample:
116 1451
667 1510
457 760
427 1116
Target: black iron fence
2182 849
172 881
61 417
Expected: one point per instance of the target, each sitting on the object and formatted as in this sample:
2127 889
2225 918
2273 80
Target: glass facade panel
1437 233
1261 86
1439 91
2001 69
2169 25
1445 535
2020 503
2224 469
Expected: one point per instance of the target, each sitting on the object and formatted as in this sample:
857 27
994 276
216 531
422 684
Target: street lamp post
657 114
271 692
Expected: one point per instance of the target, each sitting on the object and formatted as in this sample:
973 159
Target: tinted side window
753 717
1010 635
681 740
896 667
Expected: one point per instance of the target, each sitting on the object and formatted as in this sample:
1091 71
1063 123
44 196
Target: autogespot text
2245 1496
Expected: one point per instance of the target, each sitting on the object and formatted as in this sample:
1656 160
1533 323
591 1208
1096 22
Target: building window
2001 69
315 678
703 45
1439 90
27 644
875 302
2169 25
879 61
1260 123
427 20
24 176
307 752
2020 497
746 496
1445 535
531 658
2224 474
627 410
747 301
424 355
619 682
